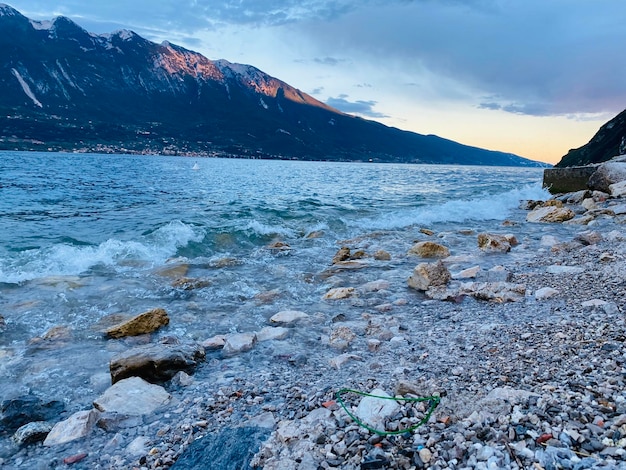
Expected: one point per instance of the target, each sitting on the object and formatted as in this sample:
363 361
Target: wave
65 259
485 207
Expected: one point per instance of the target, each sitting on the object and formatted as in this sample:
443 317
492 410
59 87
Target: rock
214 343
3 324
155 362
565 180
75 427
272 333
549 240
549 214
618 209
339 293
589 204
138 447
426 275
429 249
187 283
279 246
114 422
375 286
618 189
493 243
16 412
238 343
508 394
373 411
559 269
589 237
342 255
181 379
31 433
143 323
228 449
545 293
175 272
382 255
495 274
287 317
495 291
340 360
132 396
341 337
468 273
427 231
606 174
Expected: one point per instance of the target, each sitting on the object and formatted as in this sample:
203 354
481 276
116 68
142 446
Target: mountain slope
608 142
63 88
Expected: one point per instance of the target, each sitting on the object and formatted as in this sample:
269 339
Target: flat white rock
132 396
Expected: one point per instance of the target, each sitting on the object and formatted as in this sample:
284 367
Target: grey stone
230 449
132 396
32 432
75 427
24 409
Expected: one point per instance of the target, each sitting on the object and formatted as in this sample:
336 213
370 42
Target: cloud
328 61
542 58
360 107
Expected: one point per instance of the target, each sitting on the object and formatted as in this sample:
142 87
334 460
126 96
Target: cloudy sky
531 77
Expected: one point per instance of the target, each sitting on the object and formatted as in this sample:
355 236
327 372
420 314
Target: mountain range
65 89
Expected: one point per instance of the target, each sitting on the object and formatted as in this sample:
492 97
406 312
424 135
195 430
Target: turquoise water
83 237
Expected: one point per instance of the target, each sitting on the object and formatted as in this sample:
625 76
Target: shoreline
536 381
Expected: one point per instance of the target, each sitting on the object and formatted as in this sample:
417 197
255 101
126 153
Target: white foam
65 259
486 207
260 228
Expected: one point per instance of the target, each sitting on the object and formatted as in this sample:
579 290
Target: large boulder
155 362
429 249
143 323
606 174
617 189
426 275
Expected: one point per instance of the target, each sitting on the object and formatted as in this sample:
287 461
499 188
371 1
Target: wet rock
132 396
550 214
279 246
175 272
237 343
187 283
32 432
3 324
382 255
271 333
77 426
340 293
155 362
214 343
493 243
22 410
342 255
288 317
375 286
427 275
143 323
373 411
428 249
229 449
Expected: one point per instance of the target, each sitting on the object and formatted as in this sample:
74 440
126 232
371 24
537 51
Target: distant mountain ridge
609 141
65 89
